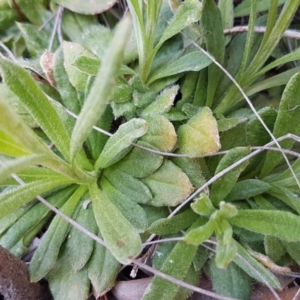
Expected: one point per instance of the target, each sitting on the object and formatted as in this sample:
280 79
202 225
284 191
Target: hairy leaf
169 185
46 255
199 136
119 235
120 143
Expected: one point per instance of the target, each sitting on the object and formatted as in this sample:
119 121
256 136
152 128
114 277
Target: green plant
164 107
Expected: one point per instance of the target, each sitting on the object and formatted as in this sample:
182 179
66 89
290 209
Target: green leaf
46 255
21 83
133 212
243 9
194 168
226 250
193 61
198 235
169 185
173 225
253 268
10 147
274 248
163 102
67 91
203 206
161 133
177 265
286 196
120 143
96 37
88 8
15 198
247 188
17 132
7 15
295 55
119 235
71 52
20 234
293 250
199 136
103 269
78 240
215 44
222 186
187 13
62 275
128 185
16 165
140 163
281 224
95 104
36 41
286 122
228 282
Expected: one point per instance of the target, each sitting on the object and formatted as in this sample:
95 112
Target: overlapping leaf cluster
154 91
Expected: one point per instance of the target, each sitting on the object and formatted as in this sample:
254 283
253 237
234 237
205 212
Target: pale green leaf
20 234
173 225
163 102
97 99
281 224
133 212
61 276
120 143
193 61
119 235
161 133
199 136
18 164
103 269
130 186
46 255
203 206
71 52
36 41
198 235
187 13
15 198
10 147
23 85
140 163
67 92
78 240
169 185
89 8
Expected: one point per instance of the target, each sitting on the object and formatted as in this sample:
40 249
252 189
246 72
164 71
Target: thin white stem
261 29
175 239
54 31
